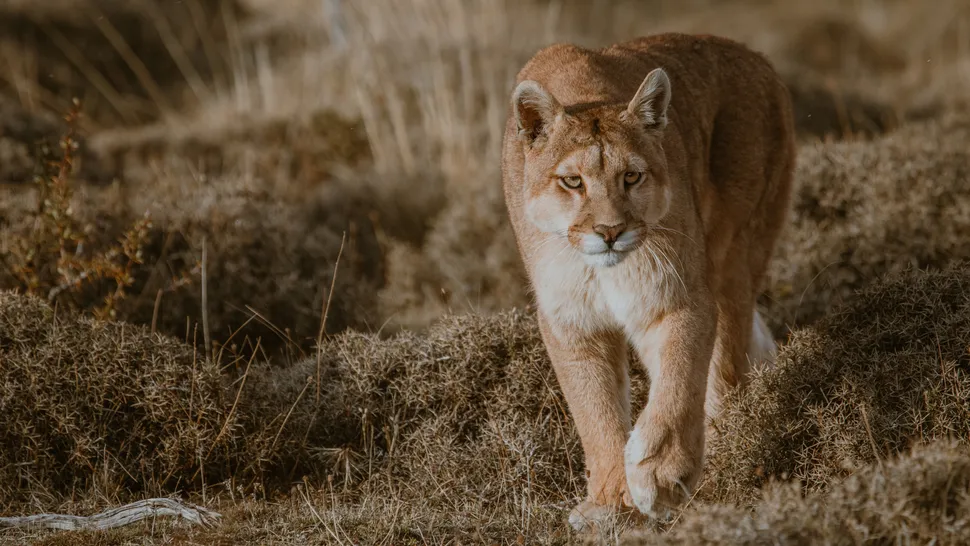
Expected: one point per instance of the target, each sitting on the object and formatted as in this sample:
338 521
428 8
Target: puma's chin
608 258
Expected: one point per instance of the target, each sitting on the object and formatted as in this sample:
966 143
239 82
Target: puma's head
595 174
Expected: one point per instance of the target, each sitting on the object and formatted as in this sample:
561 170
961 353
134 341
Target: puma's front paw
661 471
607 496
590 515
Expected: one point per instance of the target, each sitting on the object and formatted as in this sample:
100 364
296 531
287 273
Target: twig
811 282
276 330
89 71
117 517
158 303
137 66
288 414
205 305
326 311
872 439
316 514
232 410
224 344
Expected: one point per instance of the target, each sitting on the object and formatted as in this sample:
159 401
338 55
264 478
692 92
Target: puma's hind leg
734 340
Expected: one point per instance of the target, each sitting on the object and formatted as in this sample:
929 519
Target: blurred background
348 151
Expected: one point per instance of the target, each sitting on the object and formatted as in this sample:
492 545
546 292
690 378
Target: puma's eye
631 177
571 182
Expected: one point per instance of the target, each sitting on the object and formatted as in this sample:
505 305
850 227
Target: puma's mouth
599 253
628 241
605 259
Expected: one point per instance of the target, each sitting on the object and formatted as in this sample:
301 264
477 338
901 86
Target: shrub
884 372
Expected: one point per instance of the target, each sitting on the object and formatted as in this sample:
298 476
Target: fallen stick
117 517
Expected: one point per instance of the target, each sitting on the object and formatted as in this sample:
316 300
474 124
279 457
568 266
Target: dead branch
117 517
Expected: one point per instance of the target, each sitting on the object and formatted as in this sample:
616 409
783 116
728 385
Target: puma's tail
763 348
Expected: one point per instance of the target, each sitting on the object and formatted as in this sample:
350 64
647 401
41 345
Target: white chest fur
577 296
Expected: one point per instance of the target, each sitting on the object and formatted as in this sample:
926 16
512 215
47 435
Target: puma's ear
535 110
649 105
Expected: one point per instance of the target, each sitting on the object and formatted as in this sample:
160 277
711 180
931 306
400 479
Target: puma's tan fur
647 184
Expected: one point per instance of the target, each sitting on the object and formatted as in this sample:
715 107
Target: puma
647 184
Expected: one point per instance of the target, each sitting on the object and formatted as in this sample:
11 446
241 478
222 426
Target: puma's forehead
581 160
599 157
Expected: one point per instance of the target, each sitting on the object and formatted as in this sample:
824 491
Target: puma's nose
609 233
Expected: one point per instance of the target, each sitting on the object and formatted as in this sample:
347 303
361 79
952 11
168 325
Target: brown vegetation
863 383
92 404
280 137
135 61
473 404
111 408
919 497
865 209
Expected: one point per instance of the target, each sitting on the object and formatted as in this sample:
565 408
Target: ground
264 266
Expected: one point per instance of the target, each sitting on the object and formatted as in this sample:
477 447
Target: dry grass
91 405
111 410
461 434
132 62
465 423
281 136
866 209
886 370
914 498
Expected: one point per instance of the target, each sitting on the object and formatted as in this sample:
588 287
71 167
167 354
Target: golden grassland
268 270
